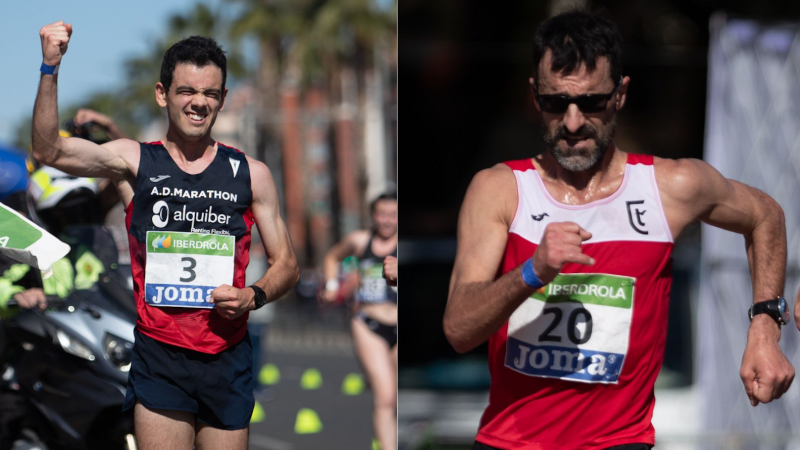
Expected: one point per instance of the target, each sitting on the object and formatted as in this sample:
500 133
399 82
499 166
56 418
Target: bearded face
581 150
578 112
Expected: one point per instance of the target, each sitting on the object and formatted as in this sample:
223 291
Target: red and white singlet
574 366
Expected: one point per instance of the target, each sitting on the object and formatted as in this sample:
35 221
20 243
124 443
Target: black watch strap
260 298
776 308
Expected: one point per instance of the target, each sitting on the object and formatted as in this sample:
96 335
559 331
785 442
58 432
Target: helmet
60 199
14 170
50 187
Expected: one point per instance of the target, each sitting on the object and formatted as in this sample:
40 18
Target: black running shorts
217 389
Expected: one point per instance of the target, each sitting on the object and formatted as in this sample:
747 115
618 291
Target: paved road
346 420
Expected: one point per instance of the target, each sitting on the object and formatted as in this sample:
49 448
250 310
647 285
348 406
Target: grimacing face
579 140
384 216
194 99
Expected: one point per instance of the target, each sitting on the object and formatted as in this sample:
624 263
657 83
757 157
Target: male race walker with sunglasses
190 203
563 262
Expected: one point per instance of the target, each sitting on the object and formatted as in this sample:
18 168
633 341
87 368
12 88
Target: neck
377 236
188 150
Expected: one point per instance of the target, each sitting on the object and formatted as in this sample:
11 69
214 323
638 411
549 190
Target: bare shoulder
258 170
127 149
358 239
261 182
493 191
686 179
123 147
497 176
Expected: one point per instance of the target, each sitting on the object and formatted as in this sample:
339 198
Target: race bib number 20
575 328
183 269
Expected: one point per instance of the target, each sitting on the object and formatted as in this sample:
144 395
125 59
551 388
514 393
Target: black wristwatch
260 298
777 308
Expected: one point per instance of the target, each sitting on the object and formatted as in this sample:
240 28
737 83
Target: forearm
475 311
330 267
45 140
766 255
281 276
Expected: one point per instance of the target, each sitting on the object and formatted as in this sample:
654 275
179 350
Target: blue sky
105 33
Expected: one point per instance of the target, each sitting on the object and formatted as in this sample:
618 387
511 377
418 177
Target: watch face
784 310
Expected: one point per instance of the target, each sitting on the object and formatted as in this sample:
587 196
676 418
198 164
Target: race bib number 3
183 269
575 328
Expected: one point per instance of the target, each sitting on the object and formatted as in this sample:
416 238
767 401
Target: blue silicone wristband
529 276
48 70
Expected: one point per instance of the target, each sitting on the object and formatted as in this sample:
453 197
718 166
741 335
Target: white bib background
184 268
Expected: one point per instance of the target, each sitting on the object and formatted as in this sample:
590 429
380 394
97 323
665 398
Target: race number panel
184 268
576 328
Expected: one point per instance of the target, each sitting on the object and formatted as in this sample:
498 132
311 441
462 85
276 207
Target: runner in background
374 325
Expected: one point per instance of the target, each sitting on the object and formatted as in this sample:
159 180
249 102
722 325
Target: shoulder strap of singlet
520 164
646 160
368 249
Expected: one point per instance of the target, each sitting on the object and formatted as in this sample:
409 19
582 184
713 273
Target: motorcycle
70 362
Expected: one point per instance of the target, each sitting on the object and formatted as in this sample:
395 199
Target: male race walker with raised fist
190 204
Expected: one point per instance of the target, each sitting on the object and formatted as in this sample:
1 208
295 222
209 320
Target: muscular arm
283 271
693 190
116 160
478 305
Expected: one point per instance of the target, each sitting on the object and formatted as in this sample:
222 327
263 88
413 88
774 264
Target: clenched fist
55 38
561 244
390 270
232 302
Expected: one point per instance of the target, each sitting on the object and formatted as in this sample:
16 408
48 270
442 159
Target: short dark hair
386 196
576 38
197 50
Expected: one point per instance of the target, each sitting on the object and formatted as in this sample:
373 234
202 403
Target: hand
765 371
390 270
561 244
89 115
328 296
232 302
55 38
31 298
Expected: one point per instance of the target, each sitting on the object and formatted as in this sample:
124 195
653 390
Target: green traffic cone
269 374
258 414
307 422
353 384
311 379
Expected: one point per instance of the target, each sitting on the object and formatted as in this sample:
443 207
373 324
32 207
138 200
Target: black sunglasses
589 103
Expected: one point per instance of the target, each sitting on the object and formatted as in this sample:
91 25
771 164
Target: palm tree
344 39
311 47
277 25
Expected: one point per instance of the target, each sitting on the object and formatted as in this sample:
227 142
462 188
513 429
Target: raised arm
117 160
478 304
693 190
